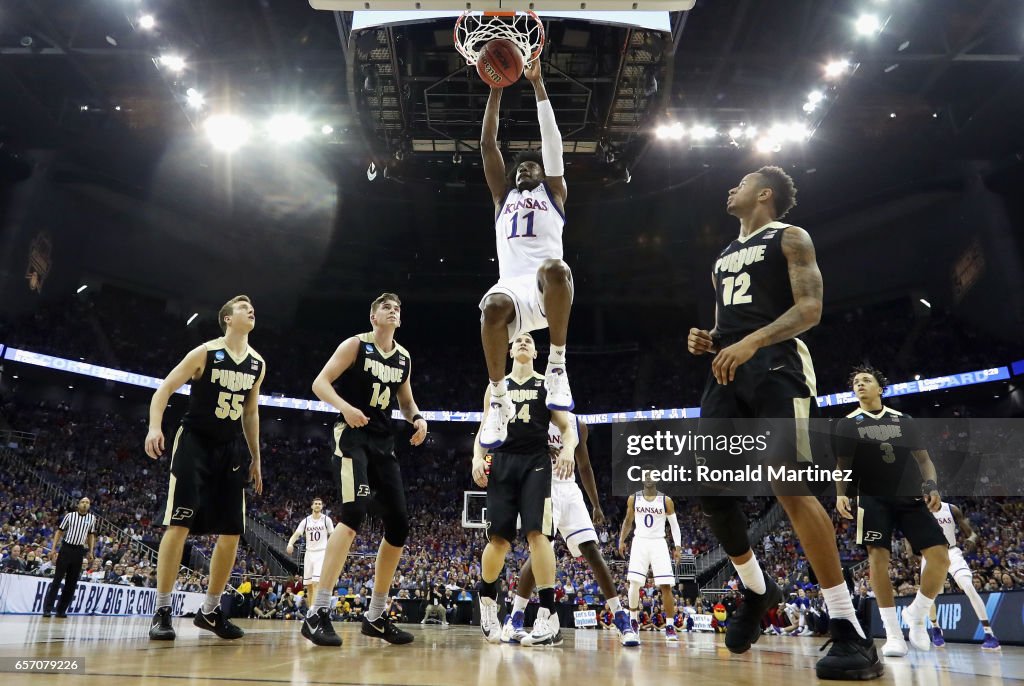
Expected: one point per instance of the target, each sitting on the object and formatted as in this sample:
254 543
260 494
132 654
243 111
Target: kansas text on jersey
752 282
528 230
528 430
371 383
218 396
650 516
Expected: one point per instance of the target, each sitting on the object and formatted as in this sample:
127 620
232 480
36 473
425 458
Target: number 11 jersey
528 230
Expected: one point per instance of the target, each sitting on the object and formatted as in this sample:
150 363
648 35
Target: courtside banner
799 456
958 622
21 594
702 623
584 618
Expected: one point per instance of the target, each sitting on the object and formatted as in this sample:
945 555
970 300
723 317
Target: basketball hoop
474 29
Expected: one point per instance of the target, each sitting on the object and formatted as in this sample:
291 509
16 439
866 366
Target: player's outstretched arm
965 526
494 165
299 530
251 430
191 367
343 358
586 472
565 464
550 136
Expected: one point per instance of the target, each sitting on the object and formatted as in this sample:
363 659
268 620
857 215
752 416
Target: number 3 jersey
528 230
881 444
752 282
371 384
217 398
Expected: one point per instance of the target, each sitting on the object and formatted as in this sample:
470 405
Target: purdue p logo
182 513
872 536
364 490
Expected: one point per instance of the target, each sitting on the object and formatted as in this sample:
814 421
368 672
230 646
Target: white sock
322 599
519 604
670 621
163 600
752 576
890 622
614 605
921 605
557 355
840 606
634 614
988 630
376 609
210 603
498 388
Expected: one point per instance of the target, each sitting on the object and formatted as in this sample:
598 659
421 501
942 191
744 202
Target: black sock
547 598
488 589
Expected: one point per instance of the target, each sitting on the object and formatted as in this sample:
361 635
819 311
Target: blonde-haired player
649 509
316 527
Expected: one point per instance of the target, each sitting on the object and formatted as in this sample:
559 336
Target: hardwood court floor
118 653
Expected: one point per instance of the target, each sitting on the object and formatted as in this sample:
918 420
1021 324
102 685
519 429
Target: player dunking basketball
570 518
317 528
374 372
769 290
534 289
208 475
519 486
648 510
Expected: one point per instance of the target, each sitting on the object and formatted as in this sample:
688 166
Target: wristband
417 416
928 486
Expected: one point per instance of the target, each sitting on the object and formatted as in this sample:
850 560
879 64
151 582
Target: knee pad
353 514
396 529
728 522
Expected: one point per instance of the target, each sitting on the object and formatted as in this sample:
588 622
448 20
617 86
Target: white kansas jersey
649 516
316 531
555 441
528 230
945 519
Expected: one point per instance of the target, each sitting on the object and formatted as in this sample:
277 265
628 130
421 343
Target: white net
474 29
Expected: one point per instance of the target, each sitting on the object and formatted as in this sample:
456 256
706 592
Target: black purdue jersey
528 430
216 400
881 445
752 282
371 383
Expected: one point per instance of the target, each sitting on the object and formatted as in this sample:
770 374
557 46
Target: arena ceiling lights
504 5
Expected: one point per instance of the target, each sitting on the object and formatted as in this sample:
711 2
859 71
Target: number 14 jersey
371 384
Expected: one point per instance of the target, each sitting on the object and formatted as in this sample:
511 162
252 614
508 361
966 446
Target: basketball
500 63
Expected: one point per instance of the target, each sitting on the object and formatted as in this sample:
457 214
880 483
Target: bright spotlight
227 132
750 132
327 129
82 288
147 22
287 128
175 63
672 131
767 144
868 24
926 303
735 132
814 97
836 68
808 107
194 99
700 132
192 318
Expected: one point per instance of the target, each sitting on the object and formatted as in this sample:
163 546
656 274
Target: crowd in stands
99 327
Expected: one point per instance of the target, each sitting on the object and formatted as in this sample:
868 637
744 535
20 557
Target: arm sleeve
550 140
673 524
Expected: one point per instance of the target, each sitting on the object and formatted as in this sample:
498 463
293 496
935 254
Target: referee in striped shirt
78 532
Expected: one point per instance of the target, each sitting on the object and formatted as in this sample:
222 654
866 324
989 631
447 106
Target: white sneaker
895 646
489 623
556 383
919 637
495 428
545 630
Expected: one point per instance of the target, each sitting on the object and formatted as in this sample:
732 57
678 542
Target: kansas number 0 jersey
649 516
945 519
217 398
528 230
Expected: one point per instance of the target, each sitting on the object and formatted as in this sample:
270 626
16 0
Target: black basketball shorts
519 487
878 516
776 384
207 487
367 475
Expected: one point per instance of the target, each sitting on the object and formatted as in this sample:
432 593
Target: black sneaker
383 628
46 615
161 629
745 624
62 615
317 628
218 624
851 656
